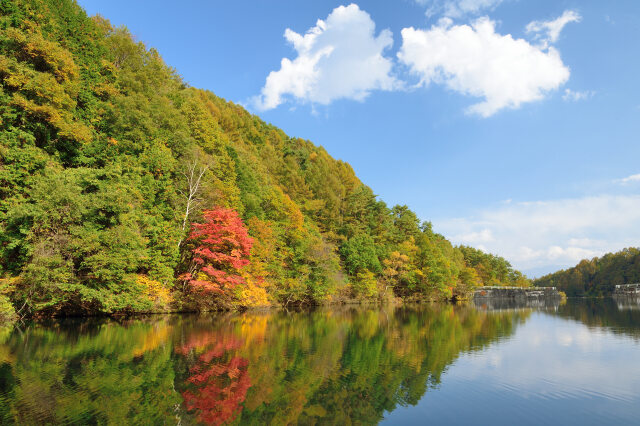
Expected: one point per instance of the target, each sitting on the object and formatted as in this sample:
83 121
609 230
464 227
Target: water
577 363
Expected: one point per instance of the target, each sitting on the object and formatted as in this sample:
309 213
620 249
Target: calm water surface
577 363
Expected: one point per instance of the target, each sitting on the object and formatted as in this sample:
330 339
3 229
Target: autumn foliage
221 247
106 157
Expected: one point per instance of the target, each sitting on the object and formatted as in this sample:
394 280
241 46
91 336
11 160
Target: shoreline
397 302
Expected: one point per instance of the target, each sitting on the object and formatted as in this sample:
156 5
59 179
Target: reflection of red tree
219 378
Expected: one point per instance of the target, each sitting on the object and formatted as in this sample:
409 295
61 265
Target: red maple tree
222 246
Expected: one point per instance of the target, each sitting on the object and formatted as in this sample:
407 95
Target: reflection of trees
337 366
615 315
351 366
88 373
218 380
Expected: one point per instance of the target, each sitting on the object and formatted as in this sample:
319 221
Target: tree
193 175
221 248
359 253
395 271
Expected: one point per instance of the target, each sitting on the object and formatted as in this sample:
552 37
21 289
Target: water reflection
627 303
99 372
334 366
620 315
218 377
498 304
553 370
329 365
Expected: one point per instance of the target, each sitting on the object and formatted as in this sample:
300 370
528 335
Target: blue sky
510 124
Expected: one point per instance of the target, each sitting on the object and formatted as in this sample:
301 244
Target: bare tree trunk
193 175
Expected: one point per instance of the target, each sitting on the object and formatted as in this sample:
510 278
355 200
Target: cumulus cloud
545 235
475 60
547 32
458 8
338 58
575 96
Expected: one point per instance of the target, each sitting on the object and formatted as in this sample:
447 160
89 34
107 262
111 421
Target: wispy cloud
575 96
548 32
457 8
629 179
551 234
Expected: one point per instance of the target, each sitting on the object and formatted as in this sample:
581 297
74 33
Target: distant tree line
598 276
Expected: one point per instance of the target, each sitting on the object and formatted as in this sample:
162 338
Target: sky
510 124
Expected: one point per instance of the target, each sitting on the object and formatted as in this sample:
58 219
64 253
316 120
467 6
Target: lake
573 363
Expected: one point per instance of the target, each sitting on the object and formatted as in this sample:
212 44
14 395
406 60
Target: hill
122 189
598 276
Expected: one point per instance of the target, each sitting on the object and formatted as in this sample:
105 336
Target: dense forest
598 276
122 189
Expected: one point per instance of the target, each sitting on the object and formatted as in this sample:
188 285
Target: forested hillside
598 276
122 189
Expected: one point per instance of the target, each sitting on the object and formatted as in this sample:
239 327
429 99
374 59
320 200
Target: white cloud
482 236
585 242
550 234
458 8
547 32
339 58
629 179
475 60
575 96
